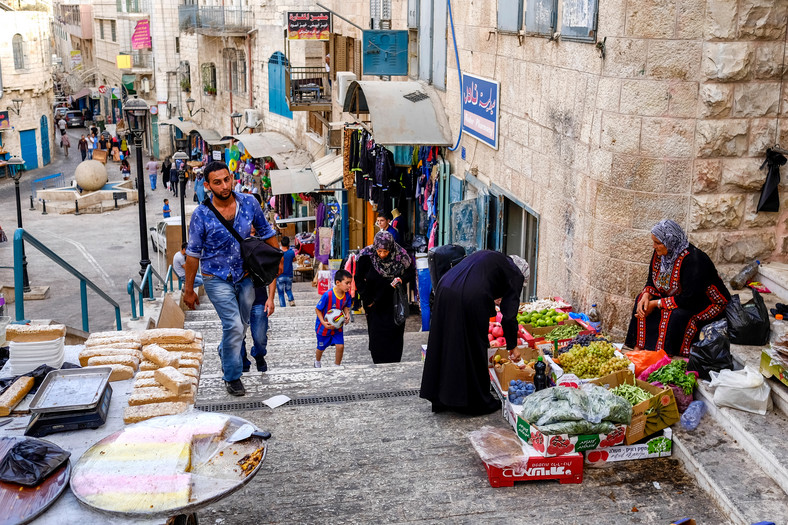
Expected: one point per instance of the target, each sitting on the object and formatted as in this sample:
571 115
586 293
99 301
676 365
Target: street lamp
138 109
12 165
183 157
190 106
17 107
236 118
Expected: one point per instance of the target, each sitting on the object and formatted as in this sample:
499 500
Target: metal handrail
20 236
133 287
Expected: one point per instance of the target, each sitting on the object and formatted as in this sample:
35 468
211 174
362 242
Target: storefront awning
284 182
185 126
274 145
328 169
211 136
84 92
402 113
128 83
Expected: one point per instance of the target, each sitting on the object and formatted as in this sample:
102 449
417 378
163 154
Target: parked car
75 119
158 235
61 112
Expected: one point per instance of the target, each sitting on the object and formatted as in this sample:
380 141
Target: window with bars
101 28
235 70
18 47
113 30
208 78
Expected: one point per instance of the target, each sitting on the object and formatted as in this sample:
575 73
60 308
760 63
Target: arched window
208 72
18 46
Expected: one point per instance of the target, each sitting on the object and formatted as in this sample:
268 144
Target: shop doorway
44 140
520 236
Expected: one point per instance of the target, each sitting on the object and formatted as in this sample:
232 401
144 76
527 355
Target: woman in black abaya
455 370
378 266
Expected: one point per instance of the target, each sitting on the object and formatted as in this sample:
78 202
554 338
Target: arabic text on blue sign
480 108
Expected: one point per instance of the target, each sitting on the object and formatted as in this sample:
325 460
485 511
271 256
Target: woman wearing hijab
683 293
455 373
381 267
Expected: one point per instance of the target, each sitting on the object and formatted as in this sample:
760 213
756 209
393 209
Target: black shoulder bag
260 259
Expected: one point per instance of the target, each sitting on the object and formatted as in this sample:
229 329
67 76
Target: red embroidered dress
693 295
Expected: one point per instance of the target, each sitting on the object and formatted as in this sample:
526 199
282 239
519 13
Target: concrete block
614 205
763 134
651 18
637 173
626 57
726 62
716 100
708 242
609 93
768 61
756 99
674 59
678 176
683 99
721 19
721 138
706 175
667 137
742 247
753 219
651 208
762 19
620 133
644 97
711 212
742 174
690 19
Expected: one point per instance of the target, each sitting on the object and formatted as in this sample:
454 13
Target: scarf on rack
395 263
675 240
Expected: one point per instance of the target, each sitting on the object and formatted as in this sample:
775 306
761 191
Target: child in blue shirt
284 283
337 298
166 209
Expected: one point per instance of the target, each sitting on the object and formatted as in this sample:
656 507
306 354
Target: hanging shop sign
102 89
4 122
308 25
141 37
480 108
76 60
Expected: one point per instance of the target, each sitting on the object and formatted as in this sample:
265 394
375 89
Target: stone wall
673 123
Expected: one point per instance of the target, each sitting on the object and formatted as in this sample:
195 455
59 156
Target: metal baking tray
71 389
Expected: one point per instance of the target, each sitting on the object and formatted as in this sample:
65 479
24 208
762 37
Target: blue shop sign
480 107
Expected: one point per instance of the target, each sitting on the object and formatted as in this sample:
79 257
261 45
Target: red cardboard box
550 445
566 469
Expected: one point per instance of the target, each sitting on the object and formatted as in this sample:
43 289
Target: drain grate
313 400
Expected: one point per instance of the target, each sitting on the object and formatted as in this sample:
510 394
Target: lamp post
190 106
183 157
236 118
13 165
138 109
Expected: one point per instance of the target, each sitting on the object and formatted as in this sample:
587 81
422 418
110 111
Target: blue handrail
20 236
147 281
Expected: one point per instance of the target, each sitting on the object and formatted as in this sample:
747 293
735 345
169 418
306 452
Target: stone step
278 328
762 437
775 276
287 312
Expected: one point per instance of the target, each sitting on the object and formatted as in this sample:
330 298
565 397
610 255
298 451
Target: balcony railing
140 59
215 18
133 6
308 88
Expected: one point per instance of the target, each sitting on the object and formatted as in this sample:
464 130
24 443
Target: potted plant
186 85
209 89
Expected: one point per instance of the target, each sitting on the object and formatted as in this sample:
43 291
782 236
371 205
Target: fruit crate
535 336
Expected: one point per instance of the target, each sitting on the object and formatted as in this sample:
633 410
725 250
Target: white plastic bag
741 389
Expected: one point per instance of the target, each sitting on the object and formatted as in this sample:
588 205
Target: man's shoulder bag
260 259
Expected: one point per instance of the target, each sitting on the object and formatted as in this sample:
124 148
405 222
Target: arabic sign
4 122
76 59
141 37
480 107
308 25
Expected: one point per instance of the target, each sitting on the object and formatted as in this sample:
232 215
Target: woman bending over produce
683 293
455 370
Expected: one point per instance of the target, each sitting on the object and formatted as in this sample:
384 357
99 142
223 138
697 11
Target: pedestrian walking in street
124 148
125 169
89 141
103 143
62 125
284 283
65 143
115 151
153 169
329 334
217 253
174 179
380 269
166 209
199 187
83 147
165 171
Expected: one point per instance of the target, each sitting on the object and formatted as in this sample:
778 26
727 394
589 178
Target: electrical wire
459 75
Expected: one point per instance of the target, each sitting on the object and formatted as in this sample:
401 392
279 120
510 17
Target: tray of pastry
71 389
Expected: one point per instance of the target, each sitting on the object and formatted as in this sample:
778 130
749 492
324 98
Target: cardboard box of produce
649 416
566 469
509 371
772 366
550 445
660 445
536 335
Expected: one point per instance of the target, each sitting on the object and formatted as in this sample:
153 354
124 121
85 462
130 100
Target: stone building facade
25 56
673 123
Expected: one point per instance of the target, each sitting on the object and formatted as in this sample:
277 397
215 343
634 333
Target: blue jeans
259 325
152 181
233 303
284 285
198 280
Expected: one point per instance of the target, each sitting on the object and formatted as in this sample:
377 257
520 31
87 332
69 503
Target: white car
158 235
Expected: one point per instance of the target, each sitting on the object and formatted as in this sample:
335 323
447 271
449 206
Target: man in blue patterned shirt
214 250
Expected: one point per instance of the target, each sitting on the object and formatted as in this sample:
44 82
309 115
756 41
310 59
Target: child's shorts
324 341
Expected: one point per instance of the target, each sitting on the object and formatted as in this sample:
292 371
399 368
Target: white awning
274 145
284 182
328 169
211 136
402 113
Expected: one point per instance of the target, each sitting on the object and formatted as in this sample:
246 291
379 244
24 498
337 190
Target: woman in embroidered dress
683 293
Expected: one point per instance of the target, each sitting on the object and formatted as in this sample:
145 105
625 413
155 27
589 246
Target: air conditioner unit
344 78
145 85
251 118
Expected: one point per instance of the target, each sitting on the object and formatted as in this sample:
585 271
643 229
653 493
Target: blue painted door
27 141
277 96
45 139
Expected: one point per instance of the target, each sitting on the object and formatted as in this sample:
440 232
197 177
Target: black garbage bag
401 308
38 375
29 462
748 324
712 351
